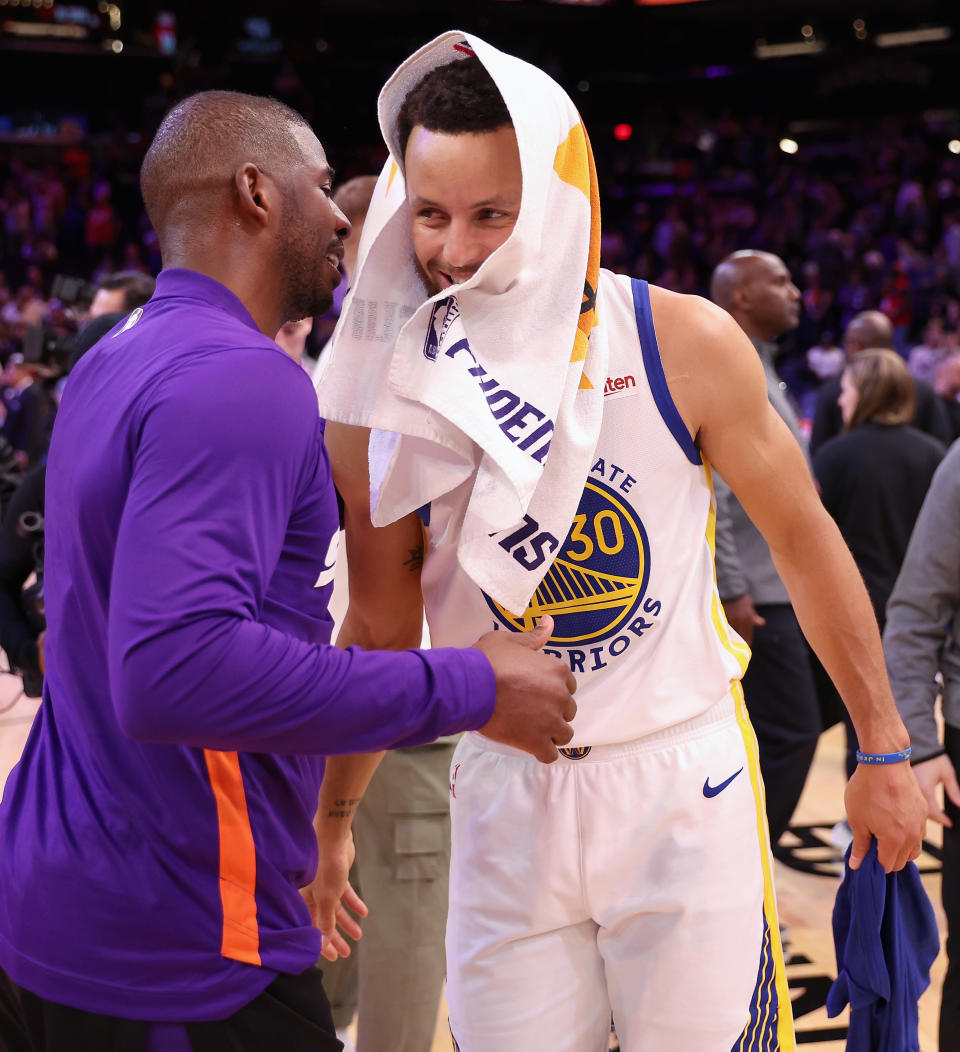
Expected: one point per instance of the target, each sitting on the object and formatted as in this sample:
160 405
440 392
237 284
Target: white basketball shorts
633 879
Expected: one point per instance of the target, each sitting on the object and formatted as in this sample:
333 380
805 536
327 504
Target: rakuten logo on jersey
618 384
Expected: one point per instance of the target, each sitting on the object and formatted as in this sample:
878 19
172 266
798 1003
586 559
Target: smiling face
464 193
310 235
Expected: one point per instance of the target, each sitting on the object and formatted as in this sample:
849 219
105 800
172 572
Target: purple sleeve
222 457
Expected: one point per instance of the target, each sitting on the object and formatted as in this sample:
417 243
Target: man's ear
256 194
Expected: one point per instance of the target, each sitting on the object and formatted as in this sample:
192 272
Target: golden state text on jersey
596 587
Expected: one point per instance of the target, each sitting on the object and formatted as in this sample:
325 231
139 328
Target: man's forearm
346 778
835 613
344 782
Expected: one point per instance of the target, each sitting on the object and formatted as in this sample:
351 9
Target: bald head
756 289
947 382
733 273
202 142
868 329
238 188
353 199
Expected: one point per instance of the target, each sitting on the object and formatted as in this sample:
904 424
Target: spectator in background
817 299
895 303
102 225
874 476
133 258
15 206
826 359
22 620
853 296
926 356
116 296
353 199
947 386
26 309
873 329
25 403
922 638
121 293
21 554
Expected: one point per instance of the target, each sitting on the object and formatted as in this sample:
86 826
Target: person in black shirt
21 551
947 386
872 329
873 477
21 554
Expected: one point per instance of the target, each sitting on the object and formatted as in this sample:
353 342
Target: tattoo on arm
343 808
415 561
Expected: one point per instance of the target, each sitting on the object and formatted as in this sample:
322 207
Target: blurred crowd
867 222
866 219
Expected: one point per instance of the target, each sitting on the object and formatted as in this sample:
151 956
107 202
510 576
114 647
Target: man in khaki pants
395 973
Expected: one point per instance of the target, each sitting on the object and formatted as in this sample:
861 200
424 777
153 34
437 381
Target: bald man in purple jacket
155 834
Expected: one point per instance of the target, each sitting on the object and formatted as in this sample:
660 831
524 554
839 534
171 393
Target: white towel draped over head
493 387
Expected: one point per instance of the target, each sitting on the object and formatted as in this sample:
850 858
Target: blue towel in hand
885 936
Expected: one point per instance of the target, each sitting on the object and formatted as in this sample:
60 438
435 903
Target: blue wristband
884 757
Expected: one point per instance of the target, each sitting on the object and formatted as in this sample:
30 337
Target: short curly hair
457 97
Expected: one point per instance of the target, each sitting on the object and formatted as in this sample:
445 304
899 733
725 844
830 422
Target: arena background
692 108
686 104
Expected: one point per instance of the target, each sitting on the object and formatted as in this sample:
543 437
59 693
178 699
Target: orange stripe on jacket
238 859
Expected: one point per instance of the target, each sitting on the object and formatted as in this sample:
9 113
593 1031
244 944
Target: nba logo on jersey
444 314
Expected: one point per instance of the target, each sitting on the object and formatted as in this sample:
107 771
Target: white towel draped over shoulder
498 380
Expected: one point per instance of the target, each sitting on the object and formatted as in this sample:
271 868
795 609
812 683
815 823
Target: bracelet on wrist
881 758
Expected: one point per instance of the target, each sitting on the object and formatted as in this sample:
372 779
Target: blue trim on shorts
655 375
761 1032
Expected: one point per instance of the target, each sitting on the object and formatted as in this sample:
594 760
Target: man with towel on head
552 426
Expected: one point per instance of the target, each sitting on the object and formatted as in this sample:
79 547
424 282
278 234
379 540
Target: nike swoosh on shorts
712 790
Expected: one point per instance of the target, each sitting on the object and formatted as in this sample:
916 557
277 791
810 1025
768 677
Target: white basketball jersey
632 590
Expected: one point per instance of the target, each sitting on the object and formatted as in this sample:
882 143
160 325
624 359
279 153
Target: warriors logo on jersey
598 578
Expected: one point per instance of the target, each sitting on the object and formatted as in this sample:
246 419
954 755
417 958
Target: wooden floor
806 899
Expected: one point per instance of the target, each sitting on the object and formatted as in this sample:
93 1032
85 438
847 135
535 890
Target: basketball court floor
807 881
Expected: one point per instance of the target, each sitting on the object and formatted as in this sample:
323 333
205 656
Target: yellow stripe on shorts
770 1027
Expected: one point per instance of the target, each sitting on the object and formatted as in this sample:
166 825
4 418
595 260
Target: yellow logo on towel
573 163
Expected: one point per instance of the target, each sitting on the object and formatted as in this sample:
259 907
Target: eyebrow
498 200
331 174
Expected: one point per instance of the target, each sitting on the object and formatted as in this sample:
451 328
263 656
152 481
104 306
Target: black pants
782 703
950 1002
291 1015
